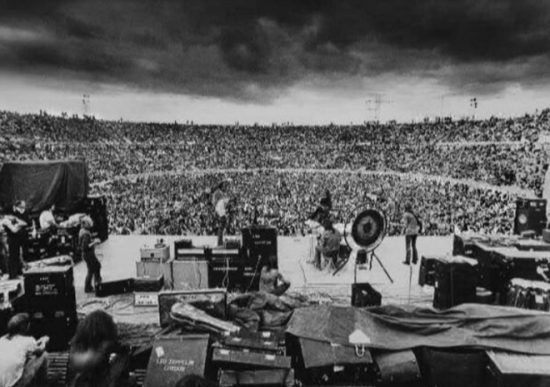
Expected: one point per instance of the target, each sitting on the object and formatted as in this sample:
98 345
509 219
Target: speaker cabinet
530 216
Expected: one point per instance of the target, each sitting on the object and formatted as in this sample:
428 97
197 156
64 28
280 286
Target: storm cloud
254 50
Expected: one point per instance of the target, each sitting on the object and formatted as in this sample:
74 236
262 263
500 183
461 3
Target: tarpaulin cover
43 183
406 327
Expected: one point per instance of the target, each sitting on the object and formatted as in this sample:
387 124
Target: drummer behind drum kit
363 232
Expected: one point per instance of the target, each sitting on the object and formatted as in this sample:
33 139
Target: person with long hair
271 280
413 228
220 200
328 245
96 338
86 246
23 359
15 226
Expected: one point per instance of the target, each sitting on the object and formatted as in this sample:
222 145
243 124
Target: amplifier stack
455 281
225 269
259 245
51 302
530 216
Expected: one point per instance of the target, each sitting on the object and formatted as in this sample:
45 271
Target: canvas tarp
406 327
43 183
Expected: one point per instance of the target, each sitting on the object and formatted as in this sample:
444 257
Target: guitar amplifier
148 284
159 253
185 243
189 254
123 286
518 370
49 288
426 275
259 241
456 281
156 269
221 253
241 359
232 242
226 269
263 378
190 274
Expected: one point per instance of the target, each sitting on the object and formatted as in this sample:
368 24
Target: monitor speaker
530 216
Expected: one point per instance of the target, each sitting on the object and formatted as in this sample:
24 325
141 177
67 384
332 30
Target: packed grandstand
462 174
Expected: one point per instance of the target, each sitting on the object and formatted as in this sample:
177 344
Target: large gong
369 229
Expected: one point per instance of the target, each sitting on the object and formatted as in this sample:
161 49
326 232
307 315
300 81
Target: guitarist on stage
15 226
220 201
413 227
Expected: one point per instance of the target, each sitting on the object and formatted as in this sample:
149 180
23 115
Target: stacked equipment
51 301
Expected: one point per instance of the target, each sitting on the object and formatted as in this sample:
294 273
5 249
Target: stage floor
119 253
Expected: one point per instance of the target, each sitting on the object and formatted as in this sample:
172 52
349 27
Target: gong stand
369 256
368 231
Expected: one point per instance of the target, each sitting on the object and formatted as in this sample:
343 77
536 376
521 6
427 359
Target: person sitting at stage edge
413 227
87 248
328 245
23 359
270 277
15 225
96 358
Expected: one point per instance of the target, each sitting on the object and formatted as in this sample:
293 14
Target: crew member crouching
328 245
271 280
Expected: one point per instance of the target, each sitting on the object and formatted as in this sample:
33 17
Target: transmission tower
86 104
473 105
374 105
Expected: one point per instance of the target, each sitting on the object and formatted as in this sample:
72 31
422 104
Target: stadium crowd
136 166
173 206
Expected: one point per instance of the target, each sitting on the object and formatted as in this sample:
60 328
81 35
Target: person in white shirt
219 200
47 220
22 358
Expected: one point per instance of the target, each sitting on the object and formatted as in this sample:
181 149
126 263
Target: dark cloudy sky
282 60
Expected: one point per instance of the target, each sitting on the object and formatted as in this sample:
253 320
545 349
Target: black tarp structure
43 183
405 327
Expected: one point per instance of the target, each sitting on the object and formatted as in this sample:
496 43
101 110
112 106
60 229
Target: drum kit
364 230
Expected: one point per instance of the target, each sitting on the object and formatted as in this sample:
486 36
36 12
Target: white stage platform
119 253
